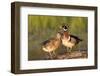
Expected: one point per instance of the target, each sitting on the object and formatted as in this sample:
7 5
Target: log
72 55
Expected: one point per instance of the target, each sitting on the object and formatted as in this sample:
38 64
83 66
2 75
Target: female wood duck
52 44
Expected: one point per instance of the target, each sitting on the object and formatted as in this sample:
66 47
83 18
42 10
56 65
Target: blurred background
41 28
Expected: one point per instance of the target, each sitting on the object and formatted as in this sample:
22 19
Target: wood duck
52 44
69 40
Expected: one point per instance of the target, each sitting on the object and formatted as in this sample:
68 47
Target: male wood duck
69 40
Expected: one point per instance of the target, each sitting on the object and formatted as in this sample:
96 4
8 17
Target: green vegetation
41 28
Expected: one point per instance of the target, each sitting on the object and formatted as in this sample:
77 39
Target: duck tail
80 39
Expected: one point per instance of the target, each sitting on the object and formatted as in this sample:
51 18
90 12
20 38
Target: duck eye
63 26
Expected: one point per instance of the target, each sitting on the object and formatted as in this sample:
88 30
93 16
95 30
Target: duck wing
75 39
46 42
